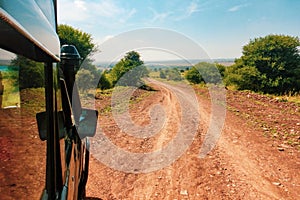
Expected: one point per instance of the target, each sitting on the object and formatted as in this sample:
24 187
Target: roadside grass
11 94
295 98
245 104
119 106
154 74
32 100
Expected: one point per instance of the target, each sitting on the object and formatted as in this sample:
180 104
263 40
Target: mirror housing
87 123
42 127
86 128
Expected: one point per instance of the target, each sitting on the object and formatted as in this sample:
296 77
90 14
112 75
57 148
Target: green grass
120 107
154 74
33 100
11 94
291 98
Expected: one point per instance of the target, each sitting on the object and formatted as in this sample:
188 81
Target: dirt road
257 155
248 161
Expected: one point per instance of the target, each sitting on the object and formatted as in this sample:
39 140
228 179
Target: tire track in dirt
172 108
261 171
243 165
173 111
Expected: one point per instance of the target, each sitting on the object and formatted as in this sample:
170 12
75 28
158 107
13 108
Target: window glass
22 153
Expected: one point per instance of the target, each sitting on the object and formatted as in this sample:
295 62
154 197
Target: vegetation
170 73
9 87
84 79
130 63
87 76
81 40
269 64
162 74
173 74
204 72
104 82
32 72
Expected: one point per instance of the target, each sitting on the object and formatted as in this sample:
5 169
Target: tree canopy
81 40
130 61
269 64
32 72
204 72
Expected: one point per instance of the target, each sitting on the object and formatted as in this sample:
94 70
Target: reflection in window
22 153
9 81
9 86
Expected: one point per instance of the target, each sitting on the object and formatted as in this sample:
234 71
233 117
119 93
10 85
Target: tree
193 76
85 46
276 61
221 69
89 66
204 72
162 74
173 74
32 72
130 61
81 40
104 82
84 80
243 78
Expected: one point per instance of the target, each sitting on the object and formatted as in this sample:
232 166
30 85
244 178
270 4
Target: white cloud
71 11
129 15
237 7
192 8
90 11
105 9
80 4
158 16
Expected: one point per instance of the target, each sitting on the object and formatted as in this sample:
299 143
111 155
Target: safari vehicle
28 30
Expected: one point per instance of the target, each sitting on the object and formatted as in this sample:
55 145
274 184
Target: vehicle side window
22 153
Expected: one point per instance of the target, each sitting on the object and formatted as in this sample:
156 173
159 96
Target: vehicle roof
18 34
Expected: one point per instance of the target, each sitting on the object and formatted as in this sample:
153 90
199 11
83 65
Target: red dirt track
247 162
256 157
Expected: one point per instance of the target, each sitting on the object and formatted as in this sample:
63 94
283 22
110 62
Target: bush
104 82
204 72
269 64
243 78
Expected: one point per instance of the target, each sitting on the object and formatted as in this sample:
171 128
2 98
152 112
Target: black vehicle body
28 28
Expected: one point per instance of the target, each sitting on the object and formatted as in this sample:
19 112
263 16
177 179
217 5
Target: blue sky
220 27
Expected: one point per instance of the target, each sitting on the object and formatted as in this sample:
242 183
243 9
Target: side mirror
87 123
42 128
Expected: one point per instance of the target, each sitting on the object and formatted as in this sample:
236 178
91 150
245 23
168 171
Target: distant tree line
172 74
269 64
88 75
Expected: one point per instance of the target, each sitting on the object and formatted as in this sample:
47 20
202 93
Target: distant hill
173 63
